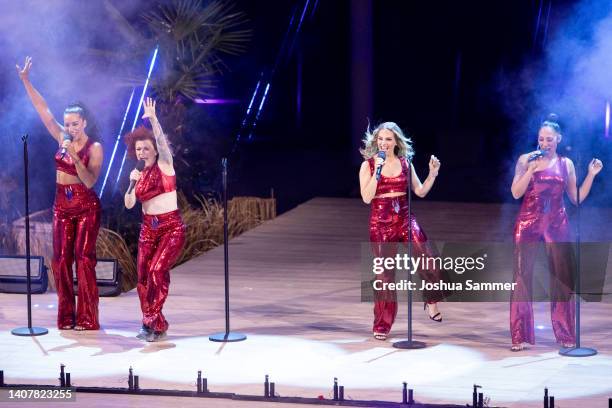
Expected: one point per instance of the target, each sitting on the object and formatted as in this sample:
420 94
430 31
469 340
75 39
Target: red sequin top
397 184
66 164
543 210
154 182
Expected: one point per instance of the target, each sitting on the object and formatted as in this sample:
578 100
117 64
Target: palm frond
192 37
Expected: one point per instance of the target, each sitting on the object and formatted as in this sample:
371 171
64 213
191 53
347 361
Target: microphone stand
227 336
577 351
28 331
409 343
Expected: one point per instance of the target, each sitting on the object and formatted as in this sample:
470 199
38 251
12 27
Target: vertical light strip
299 26
263 100
248 112
607 131
249 121
112 159
136 117
302 17
537 25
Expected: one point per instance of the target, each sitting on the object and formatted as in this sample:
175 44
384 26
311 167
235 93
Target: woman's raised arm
54 128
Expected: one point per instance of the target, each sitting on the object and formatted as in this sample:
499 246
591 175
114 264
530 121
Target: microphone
538 153
65 136
139 166
383 156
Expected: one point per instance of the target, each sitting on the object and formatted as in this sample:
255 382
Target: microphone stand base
29 331
227 337
409 344
577 352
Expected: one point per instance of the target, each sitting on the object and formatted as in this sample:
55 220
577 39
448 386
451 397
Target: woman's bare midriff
160 204
65 178
390 195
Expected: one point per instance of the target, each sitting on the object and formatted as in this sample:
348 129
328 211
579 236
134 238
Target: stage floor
295 292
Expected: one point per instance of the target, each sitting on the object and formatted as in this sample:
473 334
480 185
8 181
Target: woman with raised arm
76 211
389 217
162 234
541 178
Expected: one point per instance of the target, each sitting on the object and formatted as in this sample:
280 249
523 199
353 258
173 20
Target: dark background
468 81
464 118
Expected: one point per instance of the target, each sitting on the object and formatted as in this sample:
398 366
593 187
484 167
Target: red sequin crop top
398 184
154 182
66 164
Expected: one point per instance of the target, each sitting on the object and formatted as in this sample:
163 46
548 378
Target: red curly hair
140 133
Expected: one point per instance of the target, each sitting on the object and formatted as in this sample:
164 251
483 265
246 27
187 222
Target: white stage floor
295 293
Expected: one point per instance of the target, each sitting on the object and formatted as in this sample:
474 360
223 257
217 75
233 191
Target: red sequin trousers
161 240
76 222
389 224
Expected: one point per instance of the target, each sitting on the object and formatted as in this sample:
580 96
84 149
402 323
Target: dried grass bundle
205 221
204 231
112 245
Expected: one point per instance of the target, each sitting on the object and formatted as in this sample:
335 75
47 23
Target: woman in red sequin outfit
162 234
389 216
542 177
76 211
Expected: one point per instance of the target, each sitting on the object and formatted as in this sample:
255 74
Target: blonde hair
370 145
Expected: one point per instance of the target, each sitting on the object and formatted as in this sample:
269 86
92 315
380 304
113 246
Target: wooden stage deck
295 291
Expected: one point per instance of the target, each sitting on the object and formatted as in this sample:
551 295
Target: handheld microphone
538 153
65 136
139 166
383 156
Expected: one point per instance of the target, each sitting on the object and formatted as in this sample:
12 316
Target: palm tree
193 39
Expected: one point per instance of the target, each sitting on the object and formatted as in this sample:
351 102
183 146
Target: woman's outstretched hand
434 166
595 167
25 71
149 108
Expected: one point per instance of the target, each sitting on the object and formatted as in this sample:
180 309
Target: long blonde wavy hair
370 145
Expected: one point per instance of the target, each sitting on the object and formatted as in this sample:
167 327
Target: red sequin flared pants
76 222
389 224
161 240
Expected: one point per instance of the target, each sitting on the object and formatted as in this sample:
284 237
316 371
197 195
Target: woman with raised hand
162 234
76 211
542 178
384 185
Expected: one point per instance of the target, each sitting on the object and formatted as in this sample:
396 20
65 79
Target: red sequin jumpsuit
543 218
76 222
389 223
162 237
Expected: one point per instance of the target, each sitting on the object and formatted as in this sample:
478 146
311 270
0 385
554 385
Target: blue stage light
137 116
112 159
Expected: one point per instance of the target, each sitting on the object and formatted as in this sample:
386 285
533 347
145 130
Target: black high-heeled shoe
436 318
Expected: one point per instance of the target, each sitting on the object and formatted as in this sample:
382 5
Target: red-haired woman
76 211
162 234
